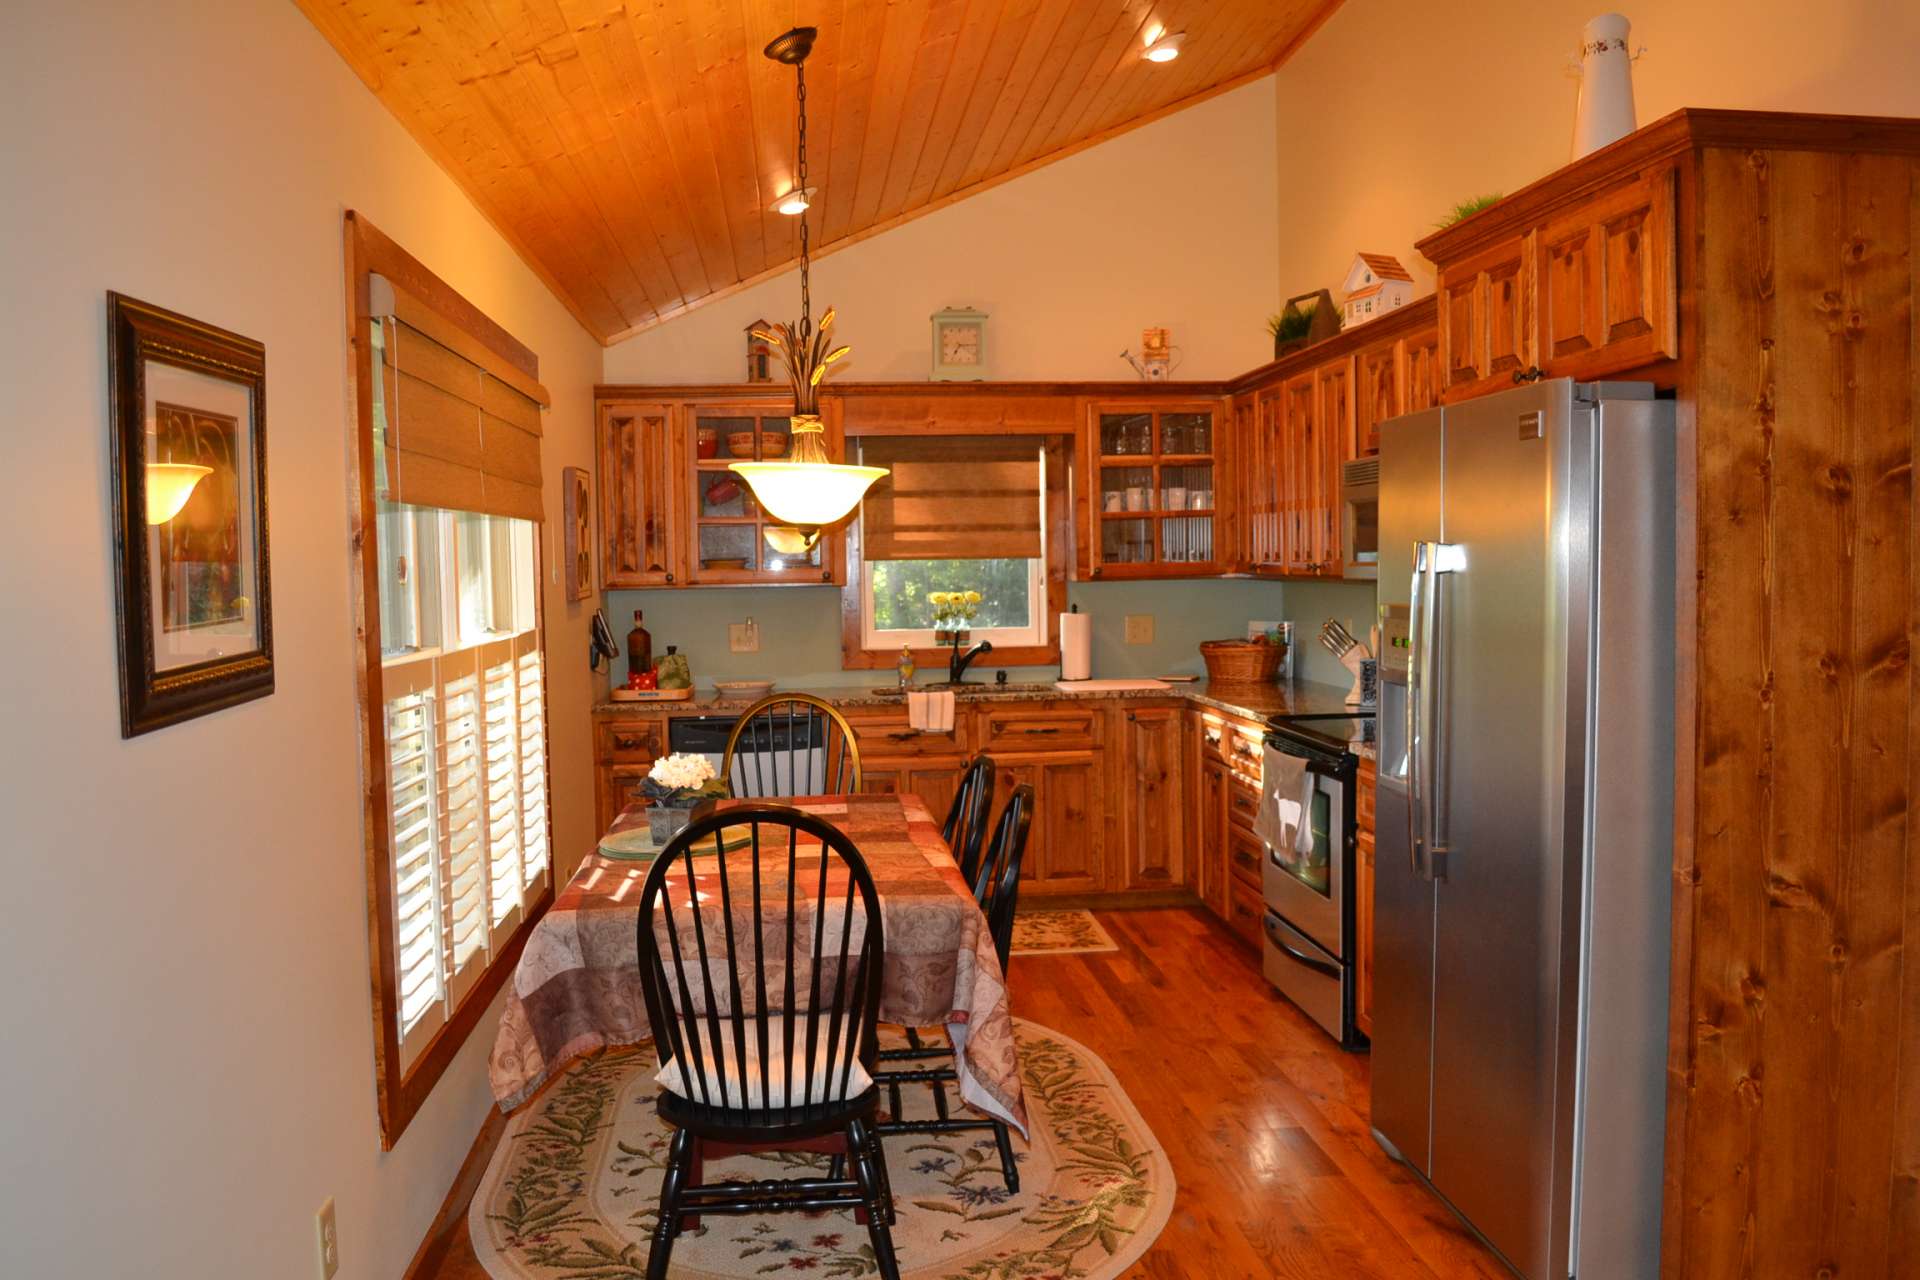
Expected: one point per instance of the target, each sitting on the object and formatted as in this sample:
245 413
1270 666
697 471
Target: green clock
959 345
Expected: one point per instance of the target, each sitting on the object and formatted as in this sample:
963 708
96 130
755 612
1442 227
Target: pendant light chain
806 295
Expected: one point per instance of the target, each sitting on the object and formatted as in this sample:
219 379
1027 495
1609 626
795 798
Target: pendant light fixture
807 492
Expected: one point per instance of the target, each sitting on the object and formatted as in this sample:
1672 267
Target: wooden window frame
1058 516
402 1092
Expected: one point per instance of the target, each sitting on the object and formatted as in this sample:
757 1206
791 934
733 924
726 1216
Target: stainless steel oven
1307 883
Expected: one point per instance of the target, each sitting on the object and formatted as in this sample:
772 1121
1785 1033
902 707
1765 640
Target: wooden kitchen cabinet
1066 843
1209 833
726 527
1607 299
1420 371
640 525
1584 289
1153 846
1155 478
1486 319
1378 377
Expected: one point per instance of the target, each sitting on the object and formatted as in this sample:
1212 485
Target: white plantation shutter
501 743
533 768
466 752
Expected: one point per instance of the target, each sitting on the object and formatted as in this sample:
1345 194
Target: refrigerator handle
1419 595
1442 557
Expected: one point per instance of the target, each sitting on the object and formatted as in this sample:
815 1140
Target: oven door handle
1311 961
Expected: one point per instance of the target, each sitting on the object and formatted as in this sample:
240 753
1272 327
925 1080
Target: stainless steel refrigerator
1524 817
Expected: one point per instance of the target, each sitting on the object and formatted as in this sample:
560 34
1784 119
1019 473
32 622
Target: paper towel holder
1064 677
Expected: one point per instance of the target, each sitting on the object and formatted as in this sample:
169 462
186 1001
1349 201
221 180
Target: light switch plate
1139 628
743 637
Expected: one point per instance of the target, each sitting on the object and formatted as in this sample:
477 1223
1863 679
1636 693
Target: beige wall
1170 224
188 1062
1464 99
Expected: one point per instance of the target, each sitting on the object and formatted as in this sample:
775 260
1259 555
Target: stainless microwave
1360 517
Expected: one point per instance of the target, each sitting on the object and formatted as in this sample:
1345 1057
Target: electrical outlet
328 1232
743 637
1139 628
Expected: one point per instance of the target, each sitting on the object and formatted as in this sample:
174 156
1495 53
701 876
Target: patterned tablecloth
577 987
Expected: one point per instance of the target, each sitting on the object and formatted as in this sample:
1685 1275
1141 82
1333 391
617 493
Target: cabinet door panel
1421 385
1486 318
1608 298
1299 432
1064 844
1331 445
1155 847
1379 374
637 526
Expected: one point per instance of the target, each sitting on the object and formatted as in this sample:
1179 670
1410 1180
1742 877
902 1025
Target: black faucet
957 664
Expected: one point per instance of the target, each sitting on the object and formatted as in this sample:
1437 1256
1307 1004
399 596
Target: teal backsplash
800 627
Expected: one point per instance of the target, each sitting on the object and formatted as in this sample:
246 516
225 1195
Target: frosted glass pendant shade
807 491
169 485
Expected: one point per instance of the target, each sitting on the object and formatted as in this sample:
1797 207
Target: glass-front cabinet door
727 531
1152 471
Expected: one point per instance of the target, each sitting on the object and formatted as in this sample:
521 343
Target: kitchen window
446 515
958 513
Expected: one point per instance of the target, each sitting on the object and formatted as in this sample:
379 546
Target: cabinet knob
1532 374
826 575
669 577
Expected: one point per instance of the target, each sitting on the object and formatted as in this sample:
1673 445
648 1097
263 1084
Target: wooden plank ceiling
630 151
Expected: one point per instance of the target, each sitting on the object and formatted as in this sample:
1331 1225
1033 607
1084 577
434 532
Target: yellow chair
791 744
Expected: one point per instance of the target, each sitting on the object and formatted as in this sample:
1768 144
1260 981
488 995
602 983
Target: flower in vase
681 780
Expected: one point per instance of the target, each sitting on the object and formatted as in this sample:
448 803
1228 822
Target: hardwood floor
1262 1116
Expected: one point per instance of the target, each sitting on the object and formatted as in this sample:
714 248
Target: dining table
576 989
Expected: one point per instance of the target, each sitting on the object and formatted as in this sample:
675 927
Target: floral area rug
1041 933
573 1190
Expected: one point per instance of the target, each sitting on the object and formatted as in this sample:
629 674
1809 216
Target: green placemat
636 845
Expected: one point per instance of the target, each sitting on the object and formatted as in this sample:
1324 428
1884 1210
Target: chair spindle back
965 829
998 888
791 744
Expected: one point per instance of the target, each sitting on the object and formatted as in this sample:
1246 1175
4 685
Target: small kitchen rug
1053 933
573 1190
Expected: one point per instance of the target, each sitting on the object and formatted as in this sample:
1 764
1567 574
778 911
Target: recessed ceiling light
793 202
1164 47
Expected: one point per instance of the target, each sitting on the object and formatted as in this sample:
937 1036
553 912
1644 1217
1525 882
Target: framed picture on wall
188 412
578 497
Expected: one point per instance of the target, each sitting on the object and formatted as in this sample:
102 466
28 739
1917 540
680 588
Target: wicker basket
1242 661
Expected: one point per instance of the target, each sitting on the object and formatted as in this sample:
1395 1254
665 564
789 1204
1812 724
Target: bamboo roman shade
945 497
459 427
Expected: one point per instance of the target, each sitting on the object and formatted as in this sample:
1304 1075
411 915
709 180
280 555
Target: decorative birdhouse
1376 284
759 354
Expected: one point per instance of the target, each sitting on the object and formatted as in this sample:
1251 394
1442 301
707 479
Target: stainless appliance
1360 517
1524 817
1309 927
769 757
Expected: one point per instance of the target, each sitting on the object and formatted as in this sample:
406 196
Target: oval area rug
572 1192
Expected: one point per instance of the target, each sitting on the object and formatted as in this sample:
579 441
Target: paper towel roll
1076 646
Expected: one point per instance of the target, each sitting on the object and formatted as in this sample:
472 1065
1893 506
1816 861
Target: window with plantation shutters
466 755
445 449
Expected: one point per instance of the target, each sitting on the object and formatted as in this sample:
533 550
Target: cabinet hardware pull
625 742
1213 739
1049 729
669 577
1532 374
826 575
904 735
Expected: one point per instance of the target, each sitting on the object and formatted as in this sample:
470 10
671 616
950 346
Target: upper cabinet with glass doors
672 514
1153 484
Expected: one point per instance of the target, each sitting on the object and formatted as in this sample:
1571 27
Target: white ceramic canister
1605 110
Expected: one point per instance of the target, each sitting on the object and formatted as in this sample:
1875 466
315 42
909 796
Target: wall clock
959 345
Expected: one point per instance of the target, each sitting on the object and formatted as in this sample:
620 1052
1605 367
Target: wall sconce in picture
188 421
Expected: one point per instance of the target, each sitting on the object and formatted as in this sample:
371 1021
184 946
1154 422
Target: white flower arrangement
681 780
681 771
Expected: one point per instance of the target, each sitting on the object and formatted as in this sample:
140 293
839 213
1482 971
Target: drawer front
1213 737
1245 910
1245 746
635 740
888 735
1010 729
1244 853
1363 798
1243 802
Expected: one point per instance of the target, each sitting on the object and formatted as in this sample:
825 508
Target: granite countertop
1251 701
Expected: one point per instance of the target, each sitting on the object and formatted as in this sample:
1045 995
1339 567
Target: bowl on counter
749 690
740 443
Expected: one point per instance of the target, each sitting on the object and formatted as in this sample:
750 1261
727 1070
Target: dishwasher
773 758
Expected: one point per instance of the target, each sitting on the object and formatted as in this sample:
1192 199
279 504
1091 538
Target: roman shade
947 497
457 426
